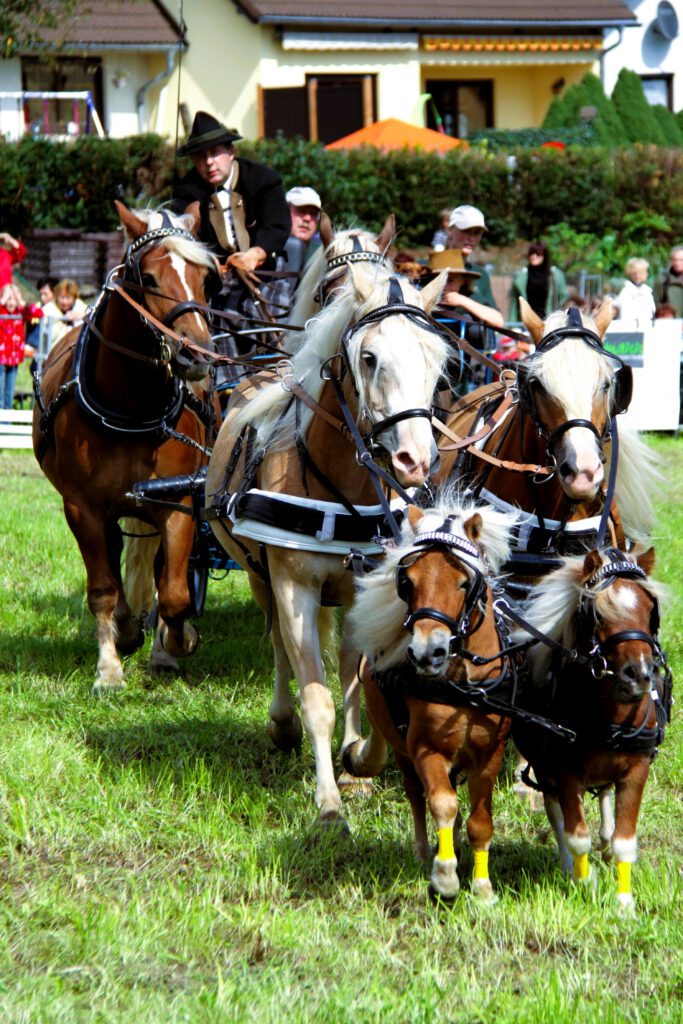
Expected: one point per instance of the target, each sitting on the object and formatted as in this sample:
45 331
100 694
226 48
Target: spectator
543 286
14 315
304 207
458 293
635 301
67 310
12 252
466 226
664 312
668 290
440 239
38 333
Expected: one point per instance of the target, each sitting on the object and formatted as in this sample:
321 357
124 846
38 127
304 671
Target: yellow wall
229 57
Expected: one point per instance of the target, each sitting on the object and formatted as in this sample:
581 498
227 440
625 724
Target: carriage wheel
197 581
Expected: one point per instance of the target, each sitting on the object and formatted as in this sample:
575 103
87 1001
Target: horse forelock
572 373
190 250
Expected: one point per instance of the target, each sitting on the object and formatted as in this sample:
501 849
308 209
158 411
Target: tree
606 127
23 23
673 132
640 122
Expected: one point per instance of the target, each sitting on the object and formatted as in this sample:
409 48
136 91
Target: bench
15 428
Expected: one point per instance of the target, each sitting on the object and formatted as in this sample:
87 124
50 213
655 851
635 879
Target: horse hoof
440 899
333 820
130 646
482 890
107 687
288 735
189 644
354 786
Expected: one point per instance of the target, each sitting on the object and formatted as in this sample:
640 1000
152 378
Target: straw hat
452 261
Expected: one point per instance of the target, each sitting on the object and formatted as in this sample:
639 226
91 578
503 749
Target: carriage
310 463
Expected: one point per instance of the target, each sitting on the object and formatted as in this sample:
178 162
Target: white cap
465 217
304 195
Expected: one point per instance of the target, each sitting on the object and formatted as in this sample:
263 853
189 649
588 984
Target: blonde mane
571 370
322 340
553 608
378 614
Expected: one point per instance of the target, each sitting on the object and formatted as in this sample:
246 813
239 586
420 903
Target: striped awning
493 45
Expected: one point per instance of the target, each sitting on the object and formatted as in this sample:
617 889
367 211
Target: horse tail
138 580
638 480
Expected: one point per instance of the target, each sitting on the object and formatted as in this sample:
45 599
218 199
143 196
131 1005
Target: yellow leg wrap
481 864
581 867
446 848
623 877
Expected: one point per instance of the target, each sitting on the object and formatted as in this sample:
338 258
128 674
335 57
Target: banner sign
628 345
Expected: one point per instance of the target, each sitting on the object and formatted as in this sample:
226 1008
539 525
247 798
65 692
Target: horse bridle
623 377
357 255
475 595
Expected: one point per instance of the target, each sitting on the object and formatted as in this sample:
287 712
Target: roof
142 24
440 13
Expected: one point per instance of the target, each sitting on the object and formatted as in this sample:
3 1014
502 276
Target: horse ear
531 321
473 527
132 225
326 230
591 564
646 561
387 233
431 293
603 317
194 211
415 514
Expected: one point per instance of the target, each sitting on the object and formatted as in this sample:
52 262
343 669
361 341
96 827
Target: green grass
159 859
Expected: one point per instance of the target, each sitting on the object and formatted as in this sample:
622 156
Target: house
322 69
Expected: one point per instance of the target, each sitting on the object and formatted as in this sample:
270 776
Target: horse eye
149 281
605 387
370 360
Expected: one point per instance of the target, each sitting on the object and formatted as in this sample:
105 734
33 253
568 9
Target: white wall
11 115
644 51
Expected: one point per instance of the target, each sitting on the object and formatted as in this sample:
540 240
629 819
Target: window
658 89
66 74
463 105
326 108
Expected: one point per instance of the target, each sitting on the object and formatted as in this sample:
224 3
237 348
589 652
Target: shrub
640 124
667 122
605 128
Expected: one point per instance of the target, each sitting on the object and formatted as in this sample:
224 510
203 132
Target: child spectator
440 239
69 309
12 252
14 314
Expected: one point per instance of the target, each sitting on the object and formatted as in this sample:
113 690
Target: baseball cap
304 195
465 217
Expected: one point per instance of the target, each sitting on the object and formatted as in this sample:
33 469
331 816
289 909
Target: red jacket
8 257
12 339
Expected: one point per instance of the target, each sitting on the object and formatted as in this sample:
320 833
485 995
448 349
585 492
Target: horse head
396 356
618 621
172 275
572 387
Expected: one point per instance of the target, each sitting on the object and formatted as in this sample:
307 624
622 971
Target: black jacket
266 210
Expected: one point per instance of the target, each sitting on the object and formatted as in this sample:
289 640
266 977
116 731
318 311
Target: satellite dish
666 22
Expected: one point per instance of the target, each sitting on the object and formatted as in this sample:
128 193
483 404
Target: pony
425 621
121 400
287 494
610 683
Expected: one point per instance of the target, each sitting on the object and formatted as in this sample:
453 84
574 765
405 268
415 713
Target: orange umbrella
395 134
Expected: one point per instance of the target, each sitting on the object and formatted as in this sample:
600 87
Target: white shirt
636 304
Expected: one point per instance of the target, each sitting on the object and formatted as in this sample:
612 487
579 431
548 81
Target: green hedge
523 192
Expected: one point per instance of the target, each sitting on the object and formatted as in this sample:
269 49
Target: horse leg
103 591
351 689
554 812
414 790
298 610
443 805
575 833
284 726
606 823
127 626
178 637
629 794
480 824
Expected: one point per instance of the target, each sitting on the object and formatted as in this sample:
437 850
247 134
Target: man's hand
248 261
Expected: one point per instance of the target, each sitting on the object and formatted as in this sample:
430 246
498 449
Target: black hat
206 132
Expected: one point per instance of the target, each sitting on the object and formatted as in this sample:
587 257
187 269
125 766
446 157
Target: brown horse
111 411
292 498
612 686
422 674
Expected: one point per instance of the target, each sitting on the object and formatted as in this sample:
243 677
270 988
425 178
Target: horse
288 494
121 400
608 681
425 621
328 268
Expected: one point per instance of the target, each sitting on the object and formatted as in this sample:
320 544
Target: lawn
159 860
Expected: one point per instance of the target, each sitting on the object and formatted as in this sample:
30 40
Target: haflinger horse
121 400
546 443
607 679
290 492
426 623
328 268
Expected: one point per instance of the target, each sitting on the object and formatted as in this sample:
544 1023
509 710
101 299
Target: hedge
523 192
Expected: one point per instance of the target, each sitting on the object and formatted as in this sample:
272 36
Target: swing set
83 118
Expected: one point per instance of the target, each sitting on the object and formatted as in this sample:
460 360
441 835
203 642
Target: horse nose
636 678
411 470
429 659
